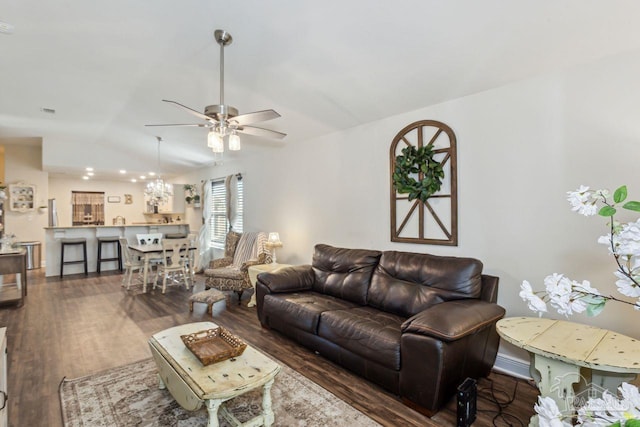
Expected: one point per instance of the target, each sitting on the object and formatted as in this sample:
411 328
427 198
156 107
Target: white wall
520 149
23 163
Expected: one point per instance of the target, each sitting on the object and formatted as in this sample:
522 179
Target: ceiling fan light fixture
211 139
222 119
234 142
215 142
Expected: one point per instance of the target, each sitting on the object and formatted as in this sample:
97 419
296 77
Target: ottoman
209 297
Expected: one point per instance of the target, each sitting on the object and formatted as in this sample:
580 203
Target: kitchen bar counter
91 233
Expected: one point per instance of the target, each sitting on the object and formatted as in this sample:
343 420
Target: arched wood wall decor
434 221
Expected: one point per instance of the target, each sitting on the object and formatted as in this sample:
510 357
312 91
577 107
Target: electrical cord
502 400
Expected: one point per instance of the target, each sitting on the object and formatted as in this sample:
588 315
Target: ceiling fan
222 119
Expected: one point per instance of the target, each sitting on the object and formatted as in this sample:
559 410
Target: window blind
219 225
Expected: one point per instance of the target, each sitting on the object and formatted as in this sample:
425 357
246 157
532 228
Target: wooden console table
566 353
13 277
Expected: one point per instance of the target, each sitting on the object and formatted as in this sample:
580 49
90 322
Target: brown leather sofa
415 324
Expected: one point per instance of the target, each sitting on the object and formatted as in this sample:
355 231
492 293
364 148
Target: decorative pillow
231 243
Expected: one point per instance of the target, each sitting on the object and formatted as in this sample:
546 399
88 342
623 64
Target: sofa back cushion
344 273
406 283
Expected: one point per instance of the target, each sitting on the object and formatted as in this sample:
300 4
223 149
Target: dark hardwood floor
80 325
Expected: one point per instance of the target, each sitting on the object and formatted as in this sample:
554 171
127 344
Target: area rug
129 396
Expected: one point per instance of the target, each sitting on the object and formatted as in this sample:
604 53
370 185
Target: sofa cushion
406 283
365 331
344 273
302 309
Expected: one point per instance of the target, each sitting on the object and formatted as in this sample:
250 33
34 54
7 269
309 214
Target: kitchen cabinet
13 276
22 197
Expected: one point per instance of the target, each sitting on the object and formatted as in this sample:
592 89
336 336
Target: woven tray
214 345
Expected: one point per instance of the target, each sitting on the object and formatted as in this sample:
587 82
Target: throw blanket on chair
247 248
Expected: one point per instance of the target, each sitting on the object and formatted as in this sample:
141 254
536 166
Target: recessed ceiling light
90 173
143 177
85 177
122 171
152 174
134 180
90 169
6 28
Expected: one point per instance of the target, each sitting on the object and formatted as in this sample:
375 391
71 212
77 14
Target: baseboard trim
512 366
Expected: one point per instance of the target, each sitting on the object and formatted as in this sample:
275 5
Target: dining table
148 252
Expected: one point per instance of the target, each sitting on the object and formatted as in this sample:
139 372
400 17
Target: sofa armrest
452 320
289 279
220 262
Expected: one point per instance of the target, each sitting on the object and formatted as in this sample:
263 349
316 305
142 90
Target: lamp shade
274 239
215 142
234 142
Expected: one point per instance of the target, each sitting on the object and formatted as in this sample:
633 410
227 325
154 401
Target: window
219 225
87 208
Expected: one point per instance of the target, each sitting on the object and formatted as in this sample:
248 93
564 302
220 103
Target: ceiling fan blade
267 133
200 125
190 110
255 117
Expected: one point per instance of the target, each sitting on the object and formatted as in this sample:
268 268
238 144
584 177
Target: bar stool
106 241
74 242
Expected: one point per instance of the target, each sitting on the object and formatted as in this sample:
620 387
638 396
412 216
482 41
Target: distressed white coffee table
193 384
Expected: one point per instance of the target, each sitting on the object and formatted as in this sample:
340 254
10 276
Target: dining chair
150 239
174 263
131 262
193 250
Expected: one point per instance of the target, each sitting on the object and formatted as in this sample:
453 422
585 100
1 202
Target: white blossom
631 394
626 286
534 302
629 239
600 194
582 201
606 240
548 413
585 287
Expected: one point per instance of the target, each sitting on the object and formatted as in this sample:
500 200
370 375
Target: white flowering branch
569 296
609 410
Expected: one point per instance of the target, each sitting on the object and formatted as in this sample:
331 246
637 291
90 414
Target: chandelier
157 190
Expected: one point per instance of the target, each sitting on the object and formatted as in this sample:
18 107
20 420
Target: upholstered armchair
231 273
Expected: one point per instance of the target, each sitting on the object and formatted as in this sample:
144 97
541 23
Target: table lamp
273 242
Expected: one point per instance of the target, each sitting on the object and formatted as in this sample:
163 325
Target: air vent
6 28
48 110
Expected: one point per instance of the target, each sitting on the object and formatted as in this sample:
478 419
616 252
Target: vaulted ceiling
104 67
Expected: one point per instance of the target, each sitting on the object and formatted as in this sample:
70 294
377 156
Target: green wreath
412 161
